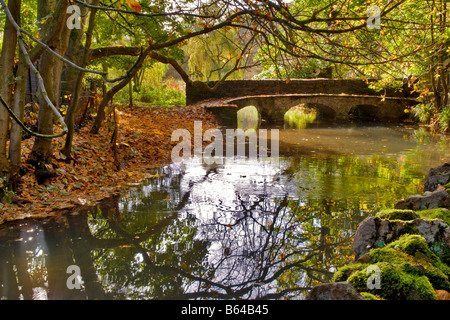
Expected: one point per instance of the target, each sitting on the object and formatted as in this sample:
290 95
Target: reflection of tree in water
265 248
158 242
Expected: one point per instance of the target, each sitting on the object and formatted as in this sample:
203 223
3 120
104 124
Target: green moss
369 296
344 272
396 284
409 270
395 214
416 246
419 265
438 213
389 254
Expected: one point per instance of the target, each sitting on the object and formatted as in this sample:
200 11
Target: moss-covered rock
409 270
343 273
396 214
416 245
412 254
396 284
389 225
438 213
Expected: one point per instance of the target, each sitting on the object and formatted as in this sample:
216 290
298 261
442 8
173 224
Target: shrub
424 112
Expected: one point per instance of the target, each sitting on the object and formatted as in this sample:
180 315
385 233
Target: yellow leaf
134 5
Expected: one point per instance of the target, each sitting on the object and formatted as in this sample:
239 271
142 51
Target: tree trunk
7 77
42 148
15 147
50 68
110 94
130 89
78 86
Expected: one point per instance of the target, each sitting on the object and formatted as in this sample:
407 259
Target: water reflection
246 229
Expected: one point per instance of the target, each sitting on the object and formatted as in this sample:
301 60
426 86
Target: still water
251 229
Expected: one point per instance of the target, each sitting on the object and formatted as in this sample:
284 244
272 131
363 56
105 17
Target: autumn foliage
134 5
143 144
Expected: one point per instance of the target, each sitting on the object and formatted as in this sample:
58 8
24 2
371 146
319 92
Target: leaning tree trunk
110 94
7 80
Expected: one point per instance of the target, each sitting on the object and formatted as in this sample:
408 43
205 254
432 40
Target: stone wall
239 88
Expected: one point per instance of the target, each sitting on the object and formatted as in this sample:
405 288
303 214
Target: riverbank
143 145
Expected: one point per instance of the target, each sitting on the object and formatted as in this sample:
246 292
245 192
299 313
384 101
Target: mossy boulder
397 214
408 249
414 256
396 283
389 225
409 270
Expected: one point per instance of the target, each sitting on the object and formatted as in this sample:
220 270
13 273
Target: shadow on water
245 229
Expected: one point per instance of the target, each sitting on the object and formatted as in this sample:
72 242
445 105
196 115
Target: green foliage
5 194
156 95
425 112
213 56
444 119
343 273
310 69
162 95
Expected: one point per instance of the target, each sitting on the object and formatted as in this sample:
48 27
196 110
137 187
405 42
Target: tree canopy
393 41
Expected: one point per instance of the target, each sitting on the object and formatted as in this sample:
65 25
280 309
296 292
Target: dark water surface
246 229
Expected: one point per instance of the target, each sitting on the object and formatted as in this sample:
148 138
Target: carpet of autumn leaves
144 144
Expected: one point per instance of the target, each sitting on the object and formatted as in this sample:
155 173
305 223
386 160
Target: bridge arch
248 118
365 112
323 111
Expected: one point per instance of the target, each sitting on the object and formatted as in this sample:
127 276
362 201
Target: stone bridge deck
272 107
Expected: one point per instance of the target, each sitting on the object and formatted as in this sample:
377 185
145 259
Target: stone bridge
333 99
